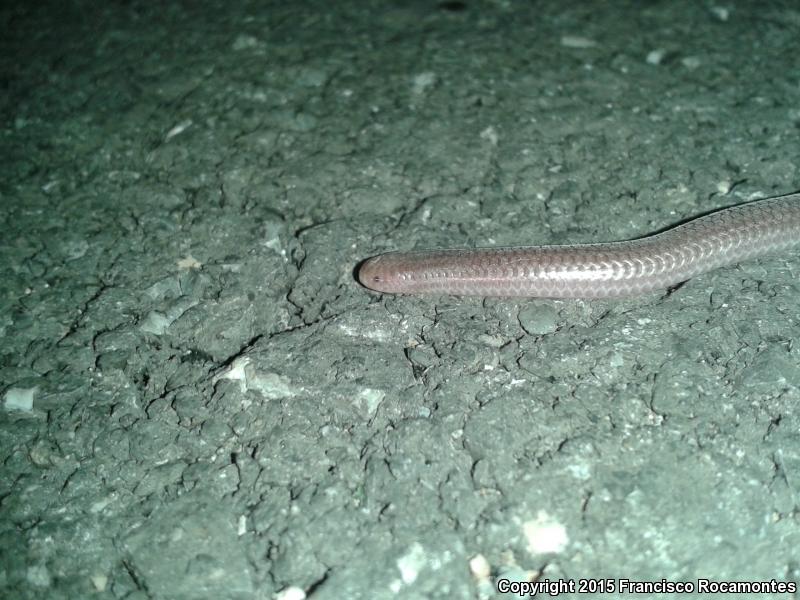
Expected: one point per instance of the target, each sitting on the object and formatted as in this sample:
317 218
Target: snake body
600 270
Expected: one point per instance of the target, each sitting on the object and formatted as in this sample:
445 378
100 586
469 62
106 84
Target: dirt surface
200 401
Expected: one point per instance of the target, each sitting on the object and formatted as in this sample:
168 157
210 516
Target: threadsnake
596 270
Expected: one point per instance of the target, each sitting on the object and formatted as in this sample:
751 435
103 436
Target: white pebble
20 398
291 593
545 535
691 62
576 41
720 12
479 567
654 57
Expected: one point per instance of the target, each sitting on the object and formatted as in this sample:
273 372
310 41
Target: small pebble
20 398
291 593
576 41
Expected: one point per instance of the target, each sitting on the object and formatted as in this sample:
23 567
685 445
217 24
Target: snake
658 261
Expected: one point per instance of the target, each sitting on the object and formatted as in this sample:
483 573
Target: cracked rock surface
198 400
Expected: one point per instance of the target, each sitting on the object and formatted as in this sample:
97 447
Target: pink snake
603 270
